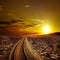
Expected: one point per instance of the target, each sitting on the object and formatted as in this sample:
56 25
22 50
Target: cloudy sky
30 8
44 12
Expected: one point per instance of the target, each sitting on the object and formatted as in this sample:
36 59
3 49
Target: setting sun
46 30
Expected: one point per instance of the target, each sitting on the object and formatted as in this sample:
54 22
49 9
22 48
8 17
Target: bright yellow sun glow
46 30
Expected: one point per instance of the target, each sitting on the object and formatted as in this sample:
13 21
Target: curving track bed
17 53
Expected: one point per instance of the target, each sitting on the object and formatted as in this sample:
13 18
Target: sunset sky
42 16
